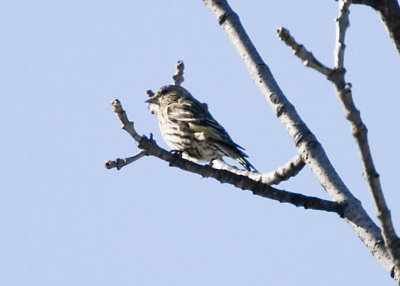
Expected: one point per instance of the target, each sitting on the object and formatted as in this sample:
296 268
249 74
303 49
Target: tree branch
178 75
150 148
342 23
300 51
119 163
389 11
307 145
282 173
359 130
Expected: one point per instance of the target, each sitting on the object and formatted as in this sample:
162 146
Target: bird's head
164 96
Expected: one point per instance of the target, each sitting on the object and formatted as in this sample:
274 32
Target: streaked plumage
188 127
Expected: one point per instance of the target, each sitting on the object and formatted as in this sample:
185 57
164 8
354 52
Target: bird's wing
183 112
200 122
211 129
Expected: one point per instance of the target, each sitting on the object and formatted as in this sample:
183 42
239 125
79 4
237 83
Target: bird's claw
176 156
176 153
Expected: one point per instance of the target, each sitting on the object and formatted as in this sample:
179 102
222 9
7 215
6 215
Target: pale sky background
66 220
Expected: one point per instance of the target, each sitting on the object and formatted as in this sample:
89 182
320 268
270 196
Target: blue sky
66 220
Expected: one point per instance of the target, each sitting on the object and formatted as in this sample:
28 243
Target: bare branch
178 76
308 146
286 171
359 131
126 124
389 11
149 93
342 23
299 50
283 173
119 163
150 148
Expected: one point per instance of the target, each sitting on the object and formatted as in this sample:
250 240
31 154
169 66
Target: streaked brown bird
188 127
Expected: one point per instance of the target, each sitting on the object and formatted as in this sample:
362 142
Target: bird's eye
164 91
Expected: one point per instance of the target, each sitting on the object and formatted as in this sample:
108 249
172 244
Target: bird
188 127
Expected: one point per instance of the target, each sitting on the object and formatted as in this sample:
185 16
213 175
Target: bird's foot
176 152
176 156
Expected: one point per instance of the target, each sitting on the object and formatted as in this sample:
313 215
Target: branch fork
358 129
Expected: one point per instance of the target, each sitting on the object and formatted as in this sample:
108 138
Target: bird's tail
246 164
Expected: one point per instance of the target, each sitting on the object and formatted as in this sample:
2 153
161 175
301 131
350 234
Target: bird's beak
151 100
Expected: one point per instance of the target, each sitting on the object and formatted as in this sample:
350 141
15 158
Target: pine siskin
188 127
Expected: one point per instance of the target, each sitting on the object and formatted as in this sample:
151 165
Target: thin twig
150 148
342 23
282 173
299 50
120 163
126 124
149 93
178 76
